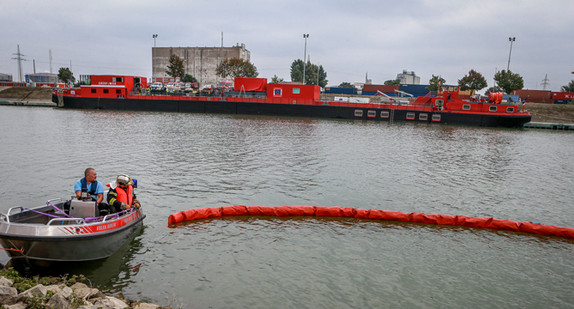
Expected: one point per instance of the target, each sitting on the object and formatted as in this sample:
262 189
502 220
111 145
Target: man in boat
89 188
122 196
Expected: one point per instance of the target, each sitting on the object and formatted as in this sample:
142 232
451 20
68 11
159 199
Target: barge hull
293 110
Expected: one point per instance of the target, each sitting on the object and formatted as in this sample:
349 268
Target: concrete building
409 78
200 62
51 78
5 77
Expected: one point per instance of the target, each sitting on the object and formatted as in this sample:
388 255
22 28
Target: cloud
348 38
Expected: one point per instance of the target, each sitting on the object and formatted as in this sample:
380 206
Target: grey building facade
5 77
409 77
200 62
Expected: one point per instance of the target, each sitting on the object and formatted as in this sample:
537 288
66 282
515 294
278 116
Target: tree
473 81
435 83
569 87
393 82
346 85
235 67
175 67
297 71
314 74
65 75
276 80
188 78
508 81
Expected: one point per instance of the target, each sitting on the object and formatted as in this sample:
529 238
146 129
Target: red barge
254 96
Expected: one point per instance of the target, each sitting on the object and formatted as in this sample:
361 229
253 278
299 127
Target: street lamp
154 36
305 36
512 39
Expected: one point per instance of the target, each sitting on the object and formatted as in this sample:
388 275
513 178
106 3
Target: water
185 161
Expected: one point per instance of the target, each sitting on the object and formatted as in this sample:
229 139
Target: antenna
545 82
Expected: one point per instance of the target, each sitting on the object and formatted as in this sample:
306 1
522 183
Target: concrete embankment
29 96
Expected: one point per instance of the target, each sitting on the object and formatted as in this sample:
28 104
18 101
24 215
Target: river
184 161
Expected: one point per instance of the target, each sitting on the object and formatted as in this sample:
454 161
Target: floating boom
371 214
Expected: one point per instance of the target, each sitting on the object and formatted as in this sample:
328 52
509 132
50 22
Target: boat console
83 209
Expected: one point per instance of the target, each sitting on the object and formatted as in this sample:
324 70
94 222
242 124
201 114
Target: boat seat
81 209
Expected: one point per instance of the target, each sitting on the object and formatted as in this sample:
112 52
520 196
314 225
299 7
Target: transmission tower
20 58
545 82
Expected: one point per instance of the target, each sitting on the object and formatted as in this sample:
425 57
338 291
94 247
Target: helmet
123 180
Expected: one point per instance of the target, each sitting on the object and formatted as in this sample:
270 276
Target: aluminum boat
66 230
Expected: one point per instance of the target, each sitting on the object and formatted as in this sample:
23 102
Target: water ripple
187 161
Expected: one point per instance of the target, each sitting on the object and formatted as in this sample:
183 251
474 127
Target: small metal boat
63 231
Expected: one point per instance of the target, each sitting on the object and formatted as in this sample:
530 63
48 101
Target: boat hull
59 243
219 105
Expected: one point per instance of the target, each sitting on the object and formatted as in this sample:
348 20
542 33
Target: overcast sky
348 38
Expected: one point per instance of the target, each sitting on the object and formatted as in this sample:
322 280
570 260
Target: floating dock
27 103
549 126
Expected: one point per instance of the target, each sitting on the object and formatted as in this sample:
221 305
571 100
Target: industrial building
200 62
50 78
5 77
409 78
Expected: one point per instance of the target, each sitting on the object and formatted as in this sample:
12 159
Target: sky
350 39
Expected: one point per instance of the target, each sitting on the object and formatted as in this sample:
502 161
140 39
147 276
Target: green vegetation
65 75
393 82
508 81
22 284
236 67
276 79
314 74
435 83
569 87
188 78
175 67
346 85
472 81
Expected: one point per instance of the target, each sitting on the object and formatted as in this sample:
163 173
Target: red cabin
112 86
297 92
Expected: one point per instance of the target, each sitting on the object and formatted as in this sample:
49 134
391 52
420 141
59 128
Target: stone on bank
79 295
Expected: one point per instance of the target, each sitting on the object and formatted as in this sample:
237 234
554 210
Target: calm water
187 161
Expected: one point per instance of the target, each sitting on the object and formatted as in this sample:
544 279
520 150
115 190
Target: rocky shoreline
17 292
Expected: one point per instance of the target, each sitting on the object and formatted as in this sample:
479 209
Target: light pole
305 36
154 36
512 39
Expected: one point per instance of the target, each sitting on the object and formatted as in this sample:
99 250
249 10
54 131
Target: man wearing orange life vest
122 196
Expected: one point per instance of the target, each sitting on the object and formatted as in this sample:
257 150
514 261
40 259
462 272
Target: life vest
125 197
91 190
